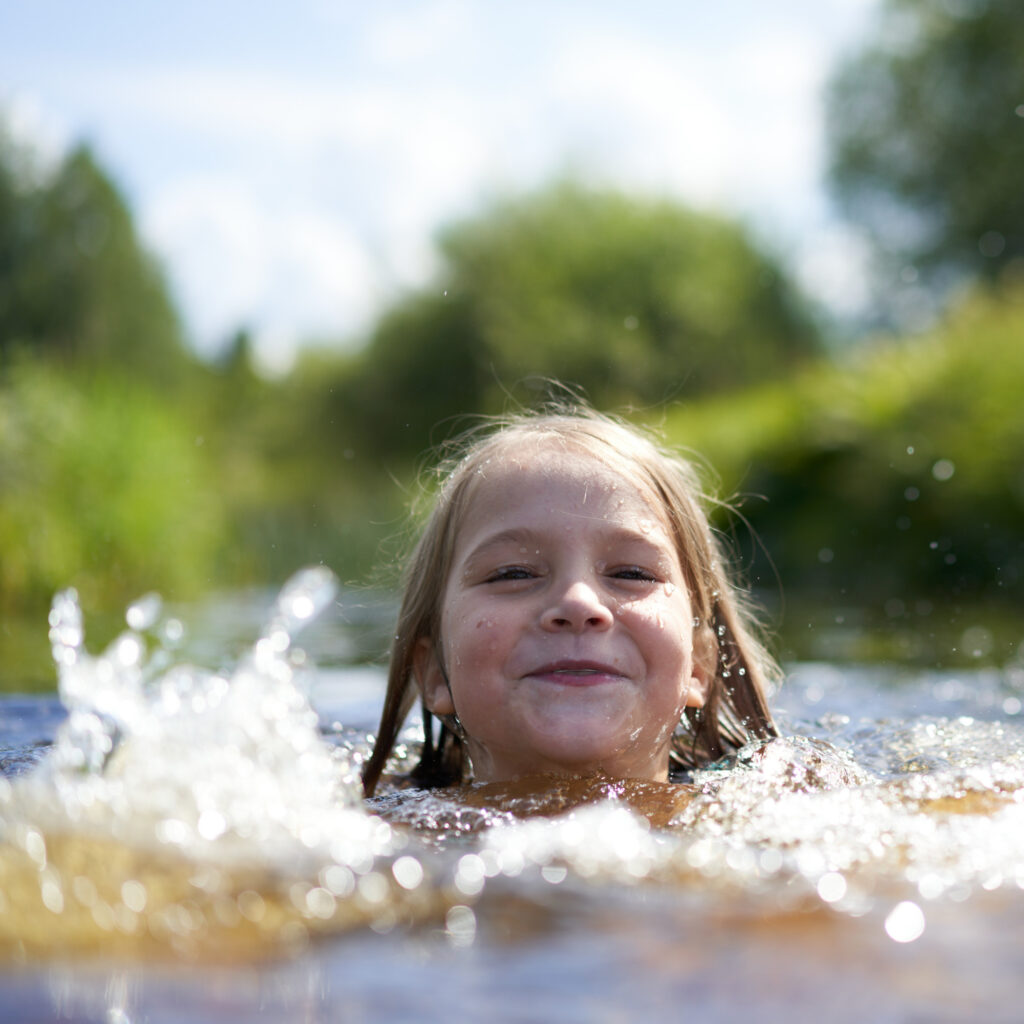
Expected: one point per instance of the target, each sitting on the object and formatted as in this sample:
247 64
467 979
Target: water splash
170 763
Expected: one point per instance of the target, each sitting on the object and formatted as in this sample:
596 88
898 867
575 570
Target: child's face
567 630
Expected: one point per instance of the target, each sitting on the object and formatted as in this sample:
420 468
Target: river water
189 843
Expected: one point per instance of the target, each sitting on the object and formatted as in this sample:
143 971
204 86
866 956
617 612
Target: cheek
667 635
472 638
666 618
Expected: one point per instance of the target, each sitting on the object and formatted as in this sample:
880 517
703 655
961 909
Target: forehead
549 477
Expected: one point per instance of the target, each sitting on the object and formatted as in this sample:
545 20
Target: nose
576 608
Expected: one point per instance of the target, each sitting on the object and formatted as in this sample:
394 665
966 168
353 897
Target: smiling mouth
575 673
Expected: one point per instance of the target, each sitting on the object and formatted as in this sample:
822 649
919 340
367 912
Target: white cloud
209 234
301 192
398 38
35 127
235 262
647 115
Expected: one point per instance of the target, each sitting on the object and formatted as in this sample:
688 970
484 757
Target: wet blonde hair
725 641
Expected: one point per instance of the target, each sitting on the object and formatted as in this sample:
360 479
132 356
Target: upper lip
574 665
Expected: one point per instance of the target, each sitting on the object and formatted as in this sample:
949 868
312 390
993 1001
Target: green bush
896 472
104 486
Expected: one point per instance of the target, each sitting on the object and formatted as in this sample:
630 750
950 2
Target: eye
509 573
634 572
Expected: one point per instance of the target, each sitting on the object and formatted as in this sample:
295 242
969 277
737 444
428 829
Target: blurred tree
895 474
74 280
635 300
926 132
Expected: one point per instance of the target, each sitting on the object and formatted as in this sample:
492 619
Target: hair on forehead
625 449
530 449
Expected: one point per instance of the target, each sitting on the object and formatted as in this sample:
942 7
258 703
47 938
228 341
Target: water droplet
211 824
470 875
145 612
304 597
408 872
905 922
373 887
340 880
35 846
172 633
66 632
134 896
127 650
832 887
320 903
52 895
460 922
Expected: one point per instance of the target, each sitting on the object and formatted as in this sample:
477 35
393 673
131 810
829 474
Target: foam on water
788 823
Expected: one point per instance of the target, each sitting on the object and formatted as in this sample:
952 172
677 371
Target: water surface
185 842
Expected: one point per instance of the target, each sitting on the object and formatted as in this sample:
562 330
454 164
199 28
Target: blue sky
290 164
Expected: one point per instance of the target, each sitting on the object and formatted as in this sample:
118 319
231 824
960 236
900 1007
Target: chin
583 759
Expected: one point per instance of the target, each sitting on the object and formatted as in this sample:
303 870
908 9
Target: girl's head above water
568 609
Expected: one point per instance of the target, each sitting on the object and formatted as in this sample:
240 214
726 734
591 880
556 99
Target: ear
703 673
430 678
700 684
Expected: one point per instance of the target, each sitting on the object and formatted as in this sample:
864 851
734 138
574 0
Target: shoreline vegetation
878 518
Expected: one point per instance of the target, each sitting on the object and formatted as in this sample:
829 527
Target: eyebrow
516 535
525 536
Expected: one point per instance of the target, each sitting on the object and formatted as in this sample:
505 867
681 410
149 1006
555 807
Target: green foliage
636 301
927 135
74 280
897 473
102 486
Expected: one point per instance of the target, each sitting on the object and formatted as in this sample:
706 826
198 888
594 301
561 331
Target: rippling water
189 843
